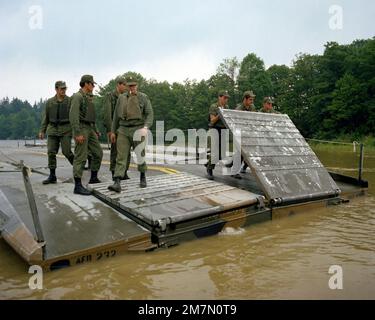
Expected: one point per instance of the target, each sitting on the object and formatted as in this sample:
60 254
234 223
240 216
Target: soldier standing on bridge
246 105
109 106
56 124
268 106
133 114
82 118
247 102
215 123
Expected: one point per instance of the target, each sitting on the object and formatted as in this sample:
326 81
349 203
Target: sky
172 40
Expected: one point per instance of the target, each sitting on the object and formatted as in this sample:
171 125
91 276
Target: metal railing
354 144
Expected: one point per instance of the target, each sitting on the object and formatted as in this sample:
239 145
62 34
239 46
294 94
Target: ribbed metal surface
173 198
285 166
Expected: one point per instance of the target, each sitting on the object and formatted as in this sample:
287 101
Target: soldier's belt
55 124
87 122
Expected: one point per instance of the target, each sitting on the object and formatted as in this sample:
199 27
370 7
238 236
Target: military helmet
121 80
131 81
268 100
87 78
60 85
223 93
248 94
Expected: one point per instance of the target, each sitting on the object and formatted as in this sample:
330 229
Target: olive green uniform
242 107
82 118
132 113
219 125
109 106
55 123
269 111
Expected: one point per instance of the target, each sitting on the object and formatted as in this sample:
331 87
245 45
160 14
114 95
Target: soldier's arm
45 118
107 113
116 117
149 113
214 117
74 114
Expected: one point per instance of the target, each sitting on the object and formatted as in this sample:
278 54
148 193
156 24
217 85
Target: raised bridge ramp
285 166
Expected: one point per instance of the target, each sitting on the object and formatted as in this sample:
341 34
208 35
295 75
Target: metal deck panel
174 198
71 223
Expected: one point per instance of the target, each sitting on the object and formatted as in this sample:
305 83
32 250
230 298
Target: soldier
82 118
110 101
214 122
133 112
56 124
247 102
268 106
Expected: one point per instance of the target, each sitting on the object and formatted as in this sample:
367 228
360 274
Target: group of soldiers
126 111
215 123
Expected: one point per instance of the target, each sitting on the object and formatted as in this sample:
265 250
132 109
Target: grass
344 144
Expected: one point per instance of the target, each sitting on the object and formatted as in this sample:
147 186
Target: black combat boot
116 186
125 177
243 168
79 189
94 177
143 183
113 175
210 174
51 178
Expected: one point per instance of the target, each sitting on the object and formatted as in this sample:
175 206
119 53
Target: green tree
253 76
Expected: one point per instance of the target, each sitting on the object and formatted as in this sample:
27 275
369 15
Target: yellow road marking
155 168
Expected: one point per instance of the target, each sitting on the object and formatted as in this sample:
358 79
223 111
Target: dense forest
329 96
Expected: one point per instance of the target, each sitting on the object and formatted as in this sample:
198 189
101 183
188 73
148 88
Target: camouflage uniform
133 112
109 106
218 126
82 118
264 110
55 123
242 107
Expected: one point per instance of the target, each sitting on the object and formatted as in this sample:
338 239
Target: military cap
268 100
60 85
121 79
247 94
131 81
87 78
224 93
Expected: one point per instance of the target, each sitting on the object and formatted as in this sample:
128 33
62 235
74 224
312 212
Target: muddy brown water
281 259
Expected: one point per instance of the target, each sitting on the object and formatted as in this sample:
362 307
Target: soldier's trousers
217 148
53 145
113 157
92 145
125 141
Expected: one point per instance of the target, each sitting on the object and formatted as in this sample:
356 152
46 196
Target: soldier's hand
41 135
80 139
113 137
98 134
143 132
